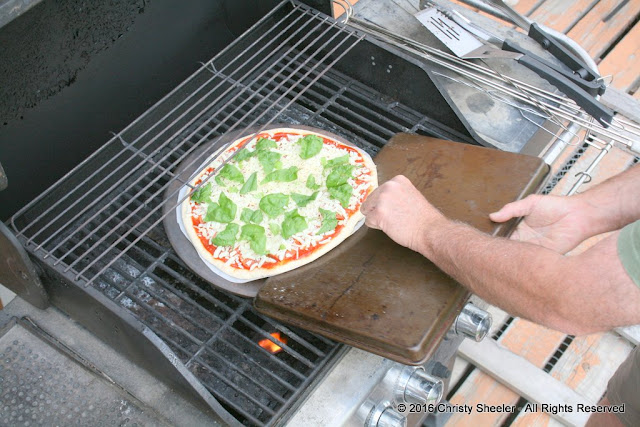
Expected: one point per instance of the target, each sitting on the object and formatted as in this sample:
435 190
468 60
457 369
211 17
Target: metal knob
473 322
391 418
423 389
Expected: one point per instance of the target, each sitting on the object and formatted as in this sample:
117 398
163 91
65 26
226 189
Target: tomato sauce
340 145
282 135
206 243
207 171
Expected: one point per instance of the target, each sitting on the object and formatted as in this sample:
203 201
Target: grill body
97 234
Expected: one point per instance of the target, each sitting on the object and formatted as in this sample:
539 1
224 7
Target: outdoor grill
97 235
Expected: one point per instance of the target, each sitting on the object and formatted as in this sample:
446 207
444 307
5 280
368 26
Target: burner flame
270 346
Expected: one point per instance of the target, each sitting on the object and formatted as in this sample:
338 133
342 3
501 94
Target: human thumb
513 210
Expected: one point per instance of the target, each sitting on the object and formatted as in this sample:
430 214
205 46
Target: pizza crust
259 273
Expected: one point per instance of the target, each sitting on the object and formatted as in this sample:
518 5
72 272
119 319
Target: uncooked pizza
286 198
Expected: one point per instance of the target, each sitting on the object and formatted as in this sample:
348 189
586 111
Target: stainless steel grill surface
99 228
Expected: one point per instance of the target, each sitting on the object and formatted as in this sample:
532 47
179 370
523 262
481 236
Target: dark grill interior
100 227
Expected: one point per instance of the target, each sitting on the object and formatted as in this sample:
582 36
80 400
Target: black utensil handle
601 113
567 57
592 87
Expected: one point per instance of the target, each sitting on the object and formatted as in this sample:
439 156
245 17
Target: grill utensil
468 41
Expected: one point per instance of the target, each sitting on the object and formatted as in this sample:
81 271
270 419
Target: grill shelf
98 230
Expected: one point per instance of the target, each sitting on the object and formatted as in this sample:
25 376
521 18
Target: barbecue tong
469 41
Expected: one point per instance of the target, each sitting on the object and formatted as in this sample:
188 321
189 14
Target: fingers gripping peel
400 210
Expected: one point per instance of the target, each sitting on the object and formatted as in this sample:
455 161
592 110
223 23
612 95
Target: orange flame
270 346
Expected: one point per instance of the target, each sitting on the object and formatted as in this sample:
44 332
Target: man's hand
557 223
401 211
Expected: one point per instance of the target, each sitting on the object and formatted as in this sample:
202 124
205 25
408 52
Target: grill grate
100 226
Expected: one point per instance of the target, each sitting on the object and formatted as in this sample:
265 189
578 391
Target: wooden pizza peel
376 295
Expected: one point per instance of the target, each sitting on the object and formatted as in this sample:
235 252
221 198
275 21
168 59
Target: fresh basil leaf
275 228
274 204
293 223
227 237
303 200
223 211
231 173
249 215
251 184
282 246
282 175
337 161
310 145
342 193
269 160
311 183
323 161
203 194
256 237
244 154
339 175
329 221
265 144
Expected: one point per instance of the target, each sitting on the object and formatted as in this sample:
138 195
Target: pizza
285 198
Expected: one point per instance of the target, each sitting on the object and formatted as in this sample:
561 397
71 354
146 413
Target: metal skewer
555 106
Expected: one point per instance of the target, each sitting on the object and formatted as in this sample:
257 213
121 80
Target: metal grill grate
100 226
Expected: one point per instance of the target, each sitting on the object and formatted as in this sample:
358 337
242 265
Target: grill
98 233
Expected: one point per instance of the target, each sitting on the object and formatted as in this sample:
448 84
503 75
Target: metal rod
404 43
594 126
178 132
344 52
237 406
137 120
288 332
217 126
260 366
155 262
452 62
352 113
265 334
587 172
196 104
235 388
254 381
333 101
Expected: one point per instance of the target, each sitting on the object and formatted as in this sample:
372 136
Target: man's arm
561 223
579 294
576 294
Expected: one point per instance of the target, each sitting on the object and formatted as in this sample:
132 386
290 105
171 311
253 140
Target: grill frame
111 316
